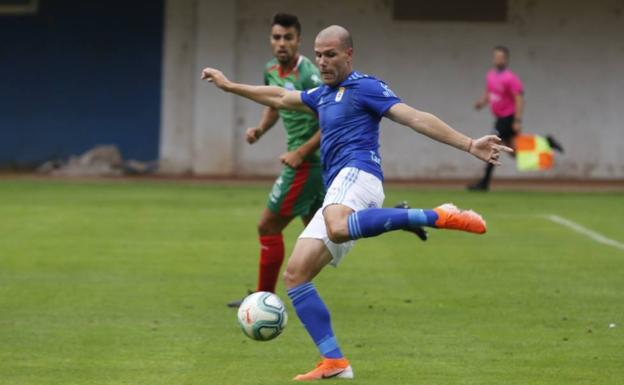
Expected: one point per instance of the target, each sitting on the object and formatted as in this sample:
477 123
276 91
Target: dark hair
287 20
503 49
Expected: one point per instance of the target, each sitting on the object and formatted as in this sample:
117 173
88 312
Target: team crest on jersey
289 86
340 94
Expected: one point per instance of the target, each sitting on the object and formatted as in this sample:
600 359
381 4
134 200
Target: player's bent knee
292 278
336 236
336 222
309 257
264 228
271 224
337 231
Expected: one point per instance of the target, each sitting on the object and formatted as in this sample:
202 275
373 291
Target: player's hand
253 134
292 159
517 126
488 148
215 76
479 105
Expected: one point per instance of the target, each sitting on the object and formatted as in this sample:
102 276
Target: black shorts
504 127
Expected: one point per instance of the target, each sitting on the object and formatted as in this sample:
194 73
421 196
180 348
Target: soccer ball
262 316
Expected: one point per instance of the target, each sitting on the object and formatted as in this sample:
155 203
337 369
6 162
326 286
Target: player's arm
270 96
269 117
486 148
517 124
482 101
310 79
295 158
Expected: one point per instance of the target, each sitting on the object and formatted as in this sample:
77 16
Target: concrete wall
198 126
569 55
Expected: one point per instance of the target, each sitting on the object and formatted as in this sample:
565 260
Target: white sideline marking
585 231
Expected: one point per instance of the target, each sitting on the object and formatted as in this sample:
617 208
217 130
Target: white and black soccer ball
262 316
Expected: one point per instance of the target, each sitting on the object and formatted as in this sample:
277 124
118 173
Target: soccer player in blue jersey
349 106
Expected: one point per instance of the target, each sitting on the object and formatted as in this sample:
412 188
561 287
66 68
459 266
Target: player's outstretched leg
418 231
308 259
372 222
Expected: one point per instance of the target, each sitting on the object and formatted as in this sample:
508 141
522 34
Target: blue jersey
349 116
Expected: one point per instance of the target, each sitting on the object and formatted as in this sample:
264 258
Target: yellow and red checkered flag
533 153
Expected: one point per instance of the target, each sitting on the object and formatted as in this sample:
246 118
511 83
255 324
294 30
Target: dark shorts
298 192
504 128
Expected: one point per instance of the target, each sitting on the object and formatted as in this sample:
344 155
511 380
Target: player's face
284 43
499 59
333 60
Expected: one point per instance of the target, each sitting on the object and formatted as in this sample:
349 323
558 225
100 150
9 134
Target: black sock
488 175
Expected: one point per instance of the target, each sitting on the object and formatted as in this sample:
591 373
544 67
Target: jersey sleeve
515 85
310 98
265 76
375 96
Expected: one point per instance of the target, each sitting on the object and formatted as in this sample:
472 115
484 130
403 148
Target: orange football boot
452 218
328 368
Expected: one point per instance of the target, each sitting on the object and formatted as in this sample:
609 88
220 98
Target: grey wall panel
569 56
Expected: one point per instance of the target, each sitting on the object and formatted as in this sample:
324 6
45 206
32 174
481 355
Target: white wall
176 139
197 133
570 56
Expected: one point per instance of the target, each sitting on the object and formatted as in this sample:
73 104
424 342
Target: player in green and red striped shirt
299 190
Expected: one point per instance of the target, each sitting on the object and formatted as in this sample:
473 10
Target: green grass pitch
125 283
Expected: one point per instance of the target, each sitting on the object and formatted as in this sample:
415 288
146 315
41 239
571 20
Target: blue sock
372 222
315 317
